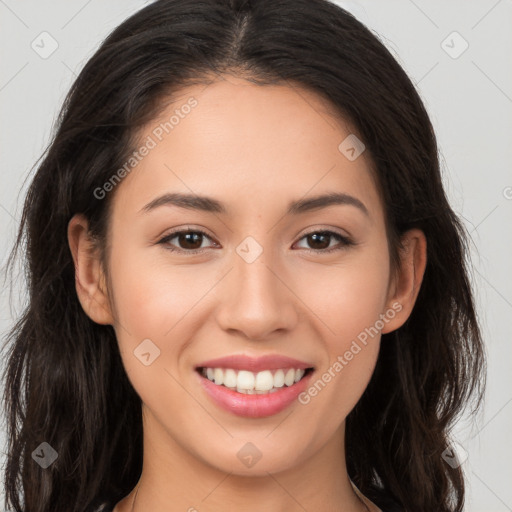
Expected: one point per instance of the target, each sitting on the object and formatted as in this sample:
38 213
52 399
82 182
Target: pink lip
253 406
255 364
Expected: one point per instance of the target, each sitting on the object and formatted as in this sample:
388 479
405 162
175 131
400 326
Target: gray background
469 98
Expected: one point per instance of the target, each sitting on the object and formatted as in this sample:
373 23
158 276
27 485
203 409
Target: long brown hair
64 381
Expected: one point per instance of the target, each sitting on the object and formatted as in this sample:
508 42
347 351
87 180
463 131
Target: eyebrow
211 205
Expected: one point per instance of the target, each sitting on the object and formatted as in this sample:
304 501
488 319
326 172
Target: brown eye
320 241
186 240
190 240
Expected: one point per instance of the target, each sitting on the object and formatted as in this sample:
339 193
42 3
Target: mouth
254 383
254 387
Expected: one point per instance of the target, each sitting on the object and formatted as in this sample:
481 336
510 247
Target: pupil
189 239
316 236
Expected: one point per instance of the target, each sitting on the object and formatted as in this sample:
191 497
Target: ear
405 286
90 280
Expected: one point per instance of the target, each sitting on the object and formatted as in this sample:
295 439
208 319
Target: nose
256 299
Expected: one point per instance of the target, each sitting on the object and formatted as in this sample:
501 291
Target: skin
255 148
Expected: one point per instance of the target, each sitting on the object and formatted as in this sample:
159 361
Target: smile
247 382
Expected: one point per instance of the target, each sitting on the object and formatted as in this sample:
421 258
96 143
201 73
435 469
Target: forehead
252 146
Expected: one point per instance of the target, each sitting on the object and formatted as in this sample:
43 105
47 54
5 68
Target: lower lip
254 406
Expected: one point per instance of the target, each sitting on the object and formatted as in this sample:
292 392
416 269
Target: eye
321 241
188 240
191 241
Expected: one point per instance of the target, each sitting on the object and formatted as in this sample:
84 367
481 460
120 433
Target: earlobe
407 283
90 280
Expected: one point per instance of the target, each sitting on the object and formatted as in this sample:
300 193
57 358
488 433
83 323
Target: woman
247 287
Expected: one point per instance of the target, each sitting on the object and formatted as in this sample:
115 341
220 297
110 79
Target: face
256 283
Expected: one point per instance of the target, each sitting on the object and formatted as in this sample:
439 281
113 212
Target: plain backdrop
458 55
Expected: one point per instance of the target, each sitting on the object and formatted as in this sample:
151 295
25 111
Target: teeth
230 379
264 381
289 378
218 376
279 379
245 380
250 383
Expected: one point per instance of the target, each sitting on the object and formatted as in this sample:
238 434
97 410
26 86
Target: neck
174 480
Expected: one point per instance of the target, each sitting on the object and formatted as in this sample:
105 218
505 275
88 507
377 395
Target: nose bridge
256 301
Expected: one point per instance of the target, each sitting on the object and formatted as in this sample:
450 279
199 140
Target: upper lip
255 364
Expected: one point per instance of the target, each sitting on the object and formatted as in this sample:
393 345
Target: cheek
154 301
348 300
152 296
347 297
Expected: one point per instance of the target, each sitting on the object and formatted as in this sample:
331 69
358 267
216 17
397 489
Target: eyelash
345 242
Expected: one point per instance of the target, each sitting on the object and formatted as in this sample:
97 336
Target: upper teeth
244 381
